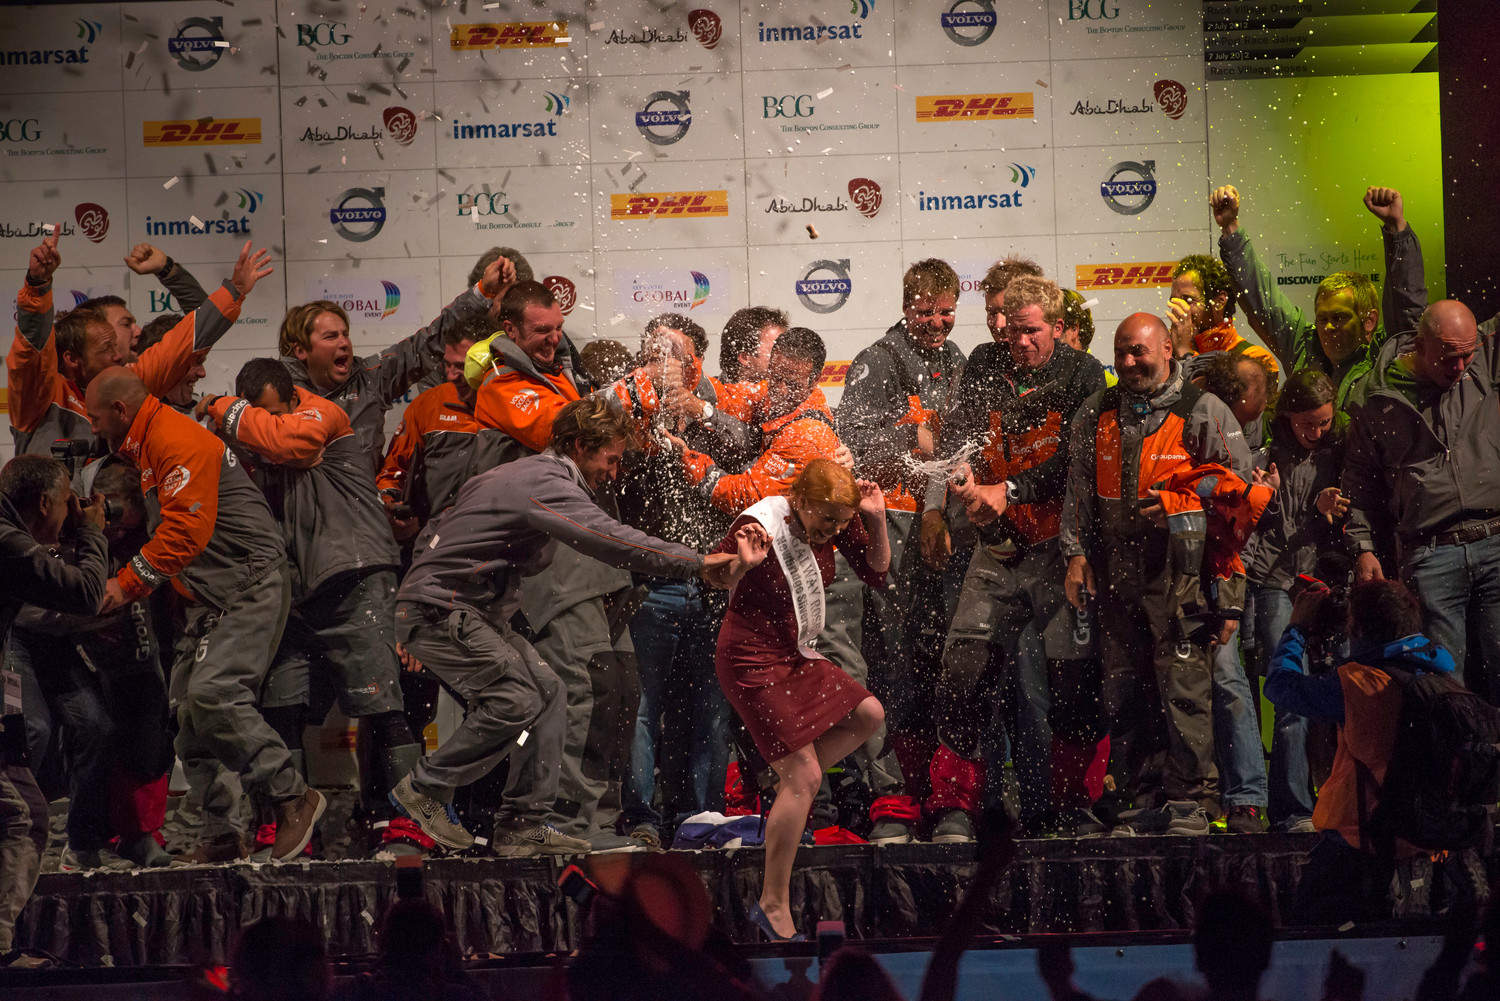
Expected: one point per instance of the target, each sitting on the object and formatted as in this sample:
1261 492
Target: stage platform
513 907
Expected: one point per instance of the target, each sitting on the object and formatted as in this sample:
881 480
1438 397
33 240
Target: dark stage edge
512 907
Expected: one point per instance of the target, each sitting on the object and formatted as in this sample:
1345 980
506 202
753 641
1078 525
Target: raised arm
1405 293
1270 313
31 365
145 259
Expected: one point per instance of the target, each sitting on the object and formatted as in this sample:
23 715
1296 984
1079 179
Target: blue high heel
759 919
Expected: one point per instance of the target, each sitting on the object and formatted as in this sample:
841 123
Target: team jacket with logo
893 386
212 532
377 382
788 443
310 465
1022 420
507 523
45 406
1223 337
519 398
432 453
1119 452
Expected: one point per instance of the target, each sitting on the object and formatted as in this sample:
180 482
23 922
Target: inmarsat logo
665 109
825 286
865 194
816 30
88 31
1020 175
563 291
705 26
358 214
93 220
401 124
555 104
969 22
249 201
1142 185
198 44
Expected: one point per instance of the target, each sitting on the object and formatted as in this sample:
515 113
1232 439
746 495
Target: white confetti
596 25
221 45
618 317
140 918
824 93
491 6
521 740
370 918
1090 303
899 87
48 228
197 223
1418 883
481 842
1346 926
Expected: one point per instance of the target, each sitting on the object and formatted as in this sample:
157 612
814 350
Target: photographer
1384 625
35 501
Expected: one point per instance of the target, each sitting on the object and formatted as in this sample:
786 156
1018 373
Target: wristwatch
708 411
1011 492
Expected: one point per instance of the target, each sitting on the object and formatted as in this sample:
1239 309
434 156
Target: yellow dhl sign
834 373
974 107
515 35
1150 274
202 132
669 205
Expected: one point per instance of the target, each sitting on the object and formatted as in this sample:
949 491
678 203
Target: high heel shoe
759 919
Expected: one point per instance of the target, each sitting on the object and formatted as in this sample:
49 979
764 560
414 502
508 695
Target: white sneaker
522 838
94 860
437 820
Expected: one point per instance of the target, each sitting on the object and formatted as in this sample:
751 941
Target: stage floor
513 907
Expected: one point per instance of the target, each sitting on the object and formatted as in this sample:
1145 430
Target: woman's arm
872 510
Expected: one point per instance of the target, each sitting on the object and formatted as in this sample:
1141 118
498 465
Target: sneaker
891 832
1081 823
295 822
1188 819
93 859
953 828
1245 820
1302 825
648 835
1142 823
398 837
610 843
214 851
518 838
438 821
144 852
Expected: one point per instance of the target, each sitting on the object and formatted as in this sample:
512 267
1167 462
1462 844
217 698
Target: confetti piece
169 183
563 40
369 918
596 25
824 93
1090 303
1346 926
899 87
812 231
1041 83
1418 883
140 918
491 6
221 45
616 319
197 223
481 842
48 228
521 740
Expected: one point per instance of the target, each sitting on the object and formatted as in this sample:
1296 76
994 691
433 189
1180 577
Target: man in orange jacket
214 539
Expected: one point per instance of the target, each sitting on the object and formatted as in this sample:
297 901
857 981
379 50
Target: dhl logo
670 205
834 373
974 107
1155 274
202 132
517 35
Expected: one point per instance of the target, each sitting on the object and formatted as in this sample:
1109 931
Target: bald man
1156 690
1423 469
213 537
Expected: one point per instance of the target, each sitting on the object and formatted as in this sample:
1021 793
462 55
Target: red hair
823 480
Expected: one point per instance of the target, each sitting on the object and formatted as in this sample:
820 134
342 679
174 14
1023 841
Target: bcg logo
322 33
825 286
665 110
482 203
20 130
1093 10
865 194
93 220
969 22
801 106
564 291
669 205
1138 182
199 43
204 132
358 214
705 26
162 302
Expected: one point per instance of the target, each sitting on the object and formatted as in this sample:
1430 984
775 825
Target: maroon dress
785 700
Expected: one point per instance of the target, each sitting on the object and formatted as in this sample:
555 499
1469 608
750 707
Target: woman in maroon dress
803 713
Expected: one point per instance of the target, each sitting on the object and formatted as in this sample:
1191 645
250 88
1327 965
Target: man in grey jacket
1421 467
454 608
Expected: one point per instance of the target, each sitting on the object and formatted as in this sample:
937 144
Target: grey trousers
603 698
215 686
515 707
23 836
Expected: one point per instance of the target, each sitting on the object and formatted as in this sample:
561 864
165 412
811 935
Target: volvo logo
1129 180
359 214
665 119
825 286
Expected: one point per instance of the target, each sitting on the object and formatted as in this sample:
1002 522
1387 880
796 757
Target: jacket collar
131 447
1219 337
1164 397
816 402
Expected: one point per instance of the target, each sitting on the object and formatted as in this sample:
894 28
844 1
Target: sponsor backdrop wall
649 156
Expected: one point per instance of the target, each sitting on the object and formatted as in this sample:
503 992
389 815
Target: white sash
803 577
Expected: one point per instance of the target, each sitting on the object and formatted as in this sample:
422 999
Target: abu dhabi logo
564 292
865 194
825 286
199 43
1172 96
1129 180
93 220
816 30
705 26
666 294
358 214
665 109
969 22
401 124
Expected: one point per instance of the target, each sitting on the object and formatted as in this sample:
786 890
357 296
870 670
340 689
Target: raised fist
1225 202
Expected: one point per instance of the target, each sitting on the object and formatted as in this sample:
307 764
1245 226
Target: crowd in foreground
662 595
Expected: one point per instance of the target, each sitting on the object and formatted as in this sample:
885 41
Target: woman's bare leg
800 777
849 733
